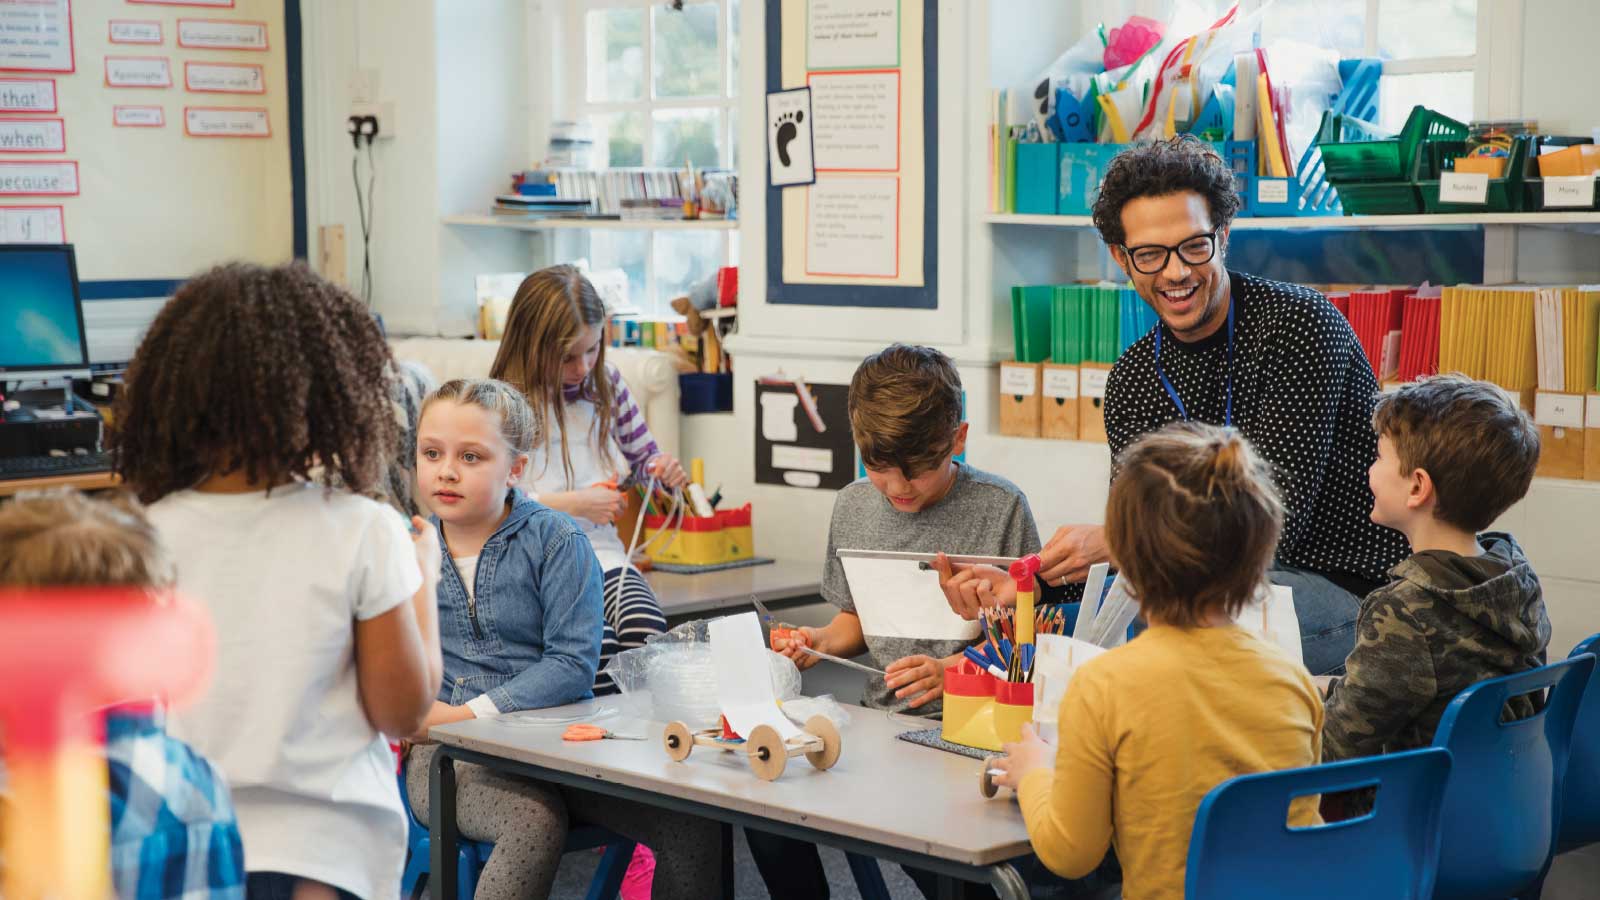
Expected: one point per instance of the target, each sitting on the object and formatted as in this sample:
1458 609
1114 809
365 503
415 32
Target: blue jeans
1327 616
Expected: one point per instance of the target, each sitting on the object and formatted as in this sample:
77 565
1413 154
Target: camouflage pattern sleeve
1389 679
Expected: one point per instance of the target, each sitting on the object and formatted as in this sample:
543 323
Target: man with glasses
1274 360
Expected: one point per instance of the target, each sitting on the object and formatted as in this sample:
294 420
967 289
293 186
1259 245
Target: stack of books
537 207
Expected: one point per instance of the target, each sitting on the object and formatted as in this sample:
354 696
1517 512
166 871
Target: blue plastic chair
1503 804
605 885
1580 800
1242 847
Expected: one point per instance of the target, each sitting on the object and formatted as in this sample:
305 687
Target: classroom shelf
1452 220
517 223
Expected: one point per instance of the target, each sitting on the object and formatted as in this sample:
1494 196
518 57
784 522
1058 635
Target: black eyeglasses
1149 259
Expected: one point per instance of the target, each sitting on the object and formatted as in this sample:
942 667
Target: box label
1271 190
1017 380
1468 187
1061 384
1094 382
1558 410
1568 191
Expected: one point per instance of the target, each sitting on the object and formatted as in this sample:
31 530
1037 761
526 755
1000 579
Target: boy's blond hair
63 537
1477 447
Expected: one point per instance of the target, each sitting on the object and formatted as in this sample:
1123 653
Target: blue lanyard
1227 416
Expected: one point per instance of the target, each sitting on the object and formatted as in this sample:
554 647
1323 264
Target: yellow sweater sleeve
1068 809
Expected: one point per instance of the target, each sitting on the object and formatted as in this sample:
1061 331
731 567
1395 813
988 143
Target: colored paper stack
1464 331
1031 321
1136 320
1341 302
1419 338
1376 317
1085 324
1510 351
1568 329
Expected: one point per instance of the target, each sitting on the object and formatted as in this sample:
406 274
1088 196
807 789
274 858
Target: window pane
733 48
1443 92
619 138
616 54
686 135
1408 29
685 51
625 250
1336 24
684 259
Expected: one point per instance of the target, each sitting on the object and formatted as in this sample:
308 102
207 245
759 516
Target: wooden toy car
767 752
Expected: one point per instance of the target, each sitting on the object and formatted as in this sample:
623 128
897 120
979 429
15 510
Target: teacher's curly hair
269 371
1159 169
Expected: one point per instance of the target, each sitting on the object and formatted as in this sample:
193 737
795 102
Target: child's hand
789 645
1020 758
968 588
919 677
669 470
425 541
600 505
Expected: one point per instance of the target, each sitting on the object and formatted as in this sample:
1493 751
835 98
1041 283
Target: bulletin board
159 137
860 235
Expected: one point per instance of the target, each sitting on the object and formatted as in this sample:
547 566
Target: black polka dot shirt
1303 394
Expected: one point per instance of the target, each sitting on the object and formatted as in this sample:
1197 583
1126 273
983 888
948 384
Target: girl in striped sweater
590 437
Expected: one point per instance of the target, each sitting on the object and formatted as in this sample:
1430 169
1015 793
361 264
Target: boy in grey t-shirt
905 415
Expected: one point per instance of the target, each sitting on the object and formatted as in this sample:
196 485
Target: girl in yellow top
1149 728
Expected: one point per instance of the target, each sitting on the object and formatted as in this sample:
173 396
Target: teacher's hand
969 588
1070 552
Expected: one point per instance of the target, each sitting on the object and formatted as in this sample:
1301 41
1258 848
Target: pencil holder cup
969 707
1013 707
723 537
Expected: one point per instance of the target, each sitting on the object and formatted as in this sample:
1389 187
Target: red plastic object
1014 693
728 286
967 680
65 654
728 734
1023 570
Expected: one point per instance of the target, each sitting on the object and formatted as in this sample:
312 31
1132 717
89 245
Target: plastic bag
672 679
1190 70
801 709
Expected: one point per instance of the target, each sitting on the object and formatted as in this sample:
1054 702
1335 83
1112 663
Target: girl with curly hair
255 417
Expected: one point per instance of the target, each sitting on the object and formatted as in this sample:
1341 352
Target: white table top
882 790
779 580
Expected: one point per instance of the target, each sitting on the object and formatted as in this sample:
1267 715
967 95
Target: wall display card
138 117
852 34
789 139
791 450
858 120
226 121
135 31
224 78
219 34
33 136
853 228
37 95
32 225
36 35
138 72
42 179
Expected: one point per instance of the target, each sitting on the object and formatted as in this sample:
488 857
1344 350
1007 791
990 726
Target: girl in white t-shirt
255 415
591 438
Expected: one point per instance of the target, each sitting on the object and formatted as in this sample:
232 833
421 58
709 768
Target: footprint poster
789 143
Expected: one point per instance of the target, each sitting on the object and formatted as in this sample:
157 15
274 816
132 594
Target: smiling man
1274 360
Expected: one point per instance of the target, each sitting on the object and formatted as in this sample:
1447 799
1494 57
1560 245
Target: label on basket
1272 190
1017 380
1094 382
1568 191
1061 384
1464 187
1558 410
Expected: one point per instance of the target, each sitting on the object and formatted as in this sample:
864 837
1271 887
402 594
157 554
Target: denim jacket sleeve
568 587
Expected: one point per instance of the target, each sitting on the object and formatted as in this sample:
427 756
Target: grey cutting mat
929 737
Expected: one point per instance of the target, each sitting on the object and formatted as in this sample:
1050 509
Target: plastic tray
1354 150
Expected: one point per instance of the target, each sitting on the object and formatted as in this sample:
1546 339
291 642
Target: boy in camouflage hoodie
1453 454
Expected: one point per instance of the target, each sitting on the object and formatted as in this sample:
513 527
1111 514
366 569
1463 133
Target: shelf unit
518 223
1444 220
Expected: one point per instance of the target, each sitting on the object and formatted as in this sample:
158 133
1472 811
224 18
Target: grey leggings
527 823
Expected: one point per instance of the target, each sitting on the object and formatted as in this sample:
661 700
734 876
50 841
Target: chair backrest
1242 845
1503 802
1580 797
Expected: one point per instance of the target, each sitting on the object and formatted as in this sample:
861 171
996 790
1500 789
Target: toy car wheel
823 727
768 755
678 741
986 785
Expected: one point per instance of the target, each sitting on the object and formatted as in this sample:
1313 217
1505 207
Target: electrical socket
383 112
363 85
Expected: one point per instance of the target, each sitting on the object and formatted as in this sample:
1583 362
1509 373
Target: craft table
884 798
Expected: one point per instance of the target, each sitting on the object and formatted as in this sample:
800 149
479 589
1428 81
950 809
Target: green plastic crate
1504 194
1354 151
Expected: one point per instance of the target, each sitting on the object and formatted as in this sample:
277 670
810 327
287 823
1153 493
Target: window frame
725 102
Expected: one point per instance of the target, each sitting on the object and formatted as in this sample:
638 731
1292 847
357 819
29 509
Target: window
1429 49
659 88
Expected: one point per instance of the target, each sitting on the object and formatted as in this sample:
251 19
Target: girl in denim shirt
520 624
